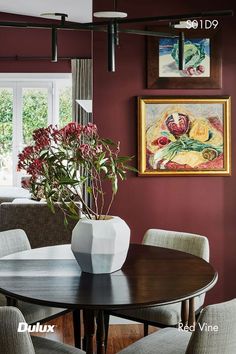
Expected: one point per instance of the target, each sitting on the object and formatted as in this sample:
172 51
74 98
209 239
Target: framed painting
184 136
202 61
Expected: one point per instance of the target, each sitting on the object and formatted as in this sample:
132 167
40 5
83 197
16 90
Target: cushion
169 315
46 346
164 341
34 313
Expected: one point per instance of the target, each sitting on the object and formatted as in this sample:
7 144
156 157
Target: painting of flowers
184 136
196 54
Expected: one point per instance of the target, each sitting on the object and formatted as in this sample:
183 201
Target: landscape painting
180 136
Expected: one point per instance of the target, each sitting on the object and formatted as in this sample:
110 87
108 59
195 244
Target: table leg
184 312
89 329
77 328
100 336
191 318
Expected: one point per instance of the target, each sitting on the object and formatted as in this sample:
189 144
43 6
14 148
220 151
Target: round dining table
150 276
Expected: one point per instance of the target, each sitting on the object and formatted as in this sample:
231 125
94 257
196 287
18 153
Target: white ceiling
77 10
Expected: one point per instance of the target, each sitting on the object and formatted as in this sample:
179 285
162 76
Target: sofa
8 193
42 227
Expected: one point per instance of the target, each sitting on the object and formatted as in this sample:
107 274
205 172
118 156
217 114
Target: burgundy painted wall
37 42
202 205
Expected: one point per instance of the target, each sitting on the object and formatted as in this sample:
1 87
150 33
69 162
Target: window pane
6 131
34 111
65 105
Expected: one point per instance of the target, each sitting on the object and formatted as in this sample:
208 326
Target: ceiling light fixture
110 14
180 25
111 22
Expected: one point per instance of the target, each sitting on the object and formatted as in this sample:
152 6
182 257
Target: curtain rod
26 58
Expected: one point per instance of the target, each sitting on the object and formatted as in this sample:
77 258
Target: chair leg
145 329
106 327
77 328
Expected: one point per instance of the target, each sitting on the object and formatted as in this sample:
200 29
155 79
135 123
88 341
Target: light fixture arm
181 51
57 14
63 17
111 25
116 28
111 46
54 44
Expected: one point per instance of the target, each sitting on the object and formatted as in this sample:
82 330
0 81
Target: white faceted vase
100 246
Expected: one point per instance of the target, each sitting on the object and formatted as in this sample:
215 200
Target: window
26 104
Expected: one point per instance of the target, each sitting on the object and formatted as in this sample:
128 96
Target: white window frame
19 81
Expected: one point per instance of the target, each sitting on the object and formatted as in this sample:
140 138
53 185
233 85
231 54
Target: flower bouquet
65 163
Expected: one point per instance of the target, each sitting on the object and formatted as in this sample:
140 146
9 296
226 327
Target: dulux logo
24 327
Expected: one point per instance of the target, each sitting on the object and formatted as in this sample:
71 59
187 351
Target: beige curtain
81 88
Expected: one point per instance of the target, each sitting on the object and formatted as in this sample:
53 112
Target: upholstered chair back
207 338
13 241
180 241
12 341
42 227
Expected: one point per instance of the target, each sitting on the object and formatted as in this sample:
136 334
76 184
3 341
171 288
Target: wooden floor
120 336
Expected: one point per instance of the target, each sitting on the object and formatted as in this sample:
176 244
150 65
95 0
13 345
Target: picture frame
201 71
184 136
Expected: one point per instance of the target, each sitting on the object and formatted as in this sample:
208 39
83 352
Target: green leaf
68 180
89 190
108 142
104 168
121 174
114 185
74 217
123 158
65 221
101 162
131 168
50 205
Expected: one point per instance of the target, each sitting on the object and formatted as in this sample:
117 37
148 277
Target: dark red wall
37 42
202 205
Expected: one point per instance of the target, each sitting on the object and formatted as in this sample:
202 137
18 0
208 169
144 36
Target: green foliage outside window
6 115
35 112
65 107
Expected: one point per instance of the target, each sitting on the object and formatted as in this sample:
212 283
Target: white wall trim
34 76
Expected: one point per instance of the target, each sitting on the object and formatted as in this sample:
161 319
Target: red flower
161 141
70 131
90 129
35 168
26 155
85 150
41 137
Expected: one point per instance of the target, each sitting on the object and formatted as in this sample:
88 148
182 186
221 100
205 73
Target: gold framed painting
184 136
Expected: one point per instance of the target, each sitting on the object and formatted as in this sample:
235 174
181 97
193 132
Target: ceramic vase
100 246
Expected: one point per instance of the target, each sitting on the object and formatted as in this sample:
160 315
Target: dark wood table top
150 276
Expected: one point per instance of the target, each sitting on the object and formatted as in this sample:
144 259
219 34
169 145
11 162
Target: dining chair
14 342
166 315
215 333
13 241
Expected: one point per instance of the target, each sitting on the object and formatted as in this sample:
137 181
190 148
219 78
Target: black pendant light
111 22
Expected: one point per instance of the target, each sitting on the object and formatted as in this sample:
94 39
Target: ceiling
77 10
